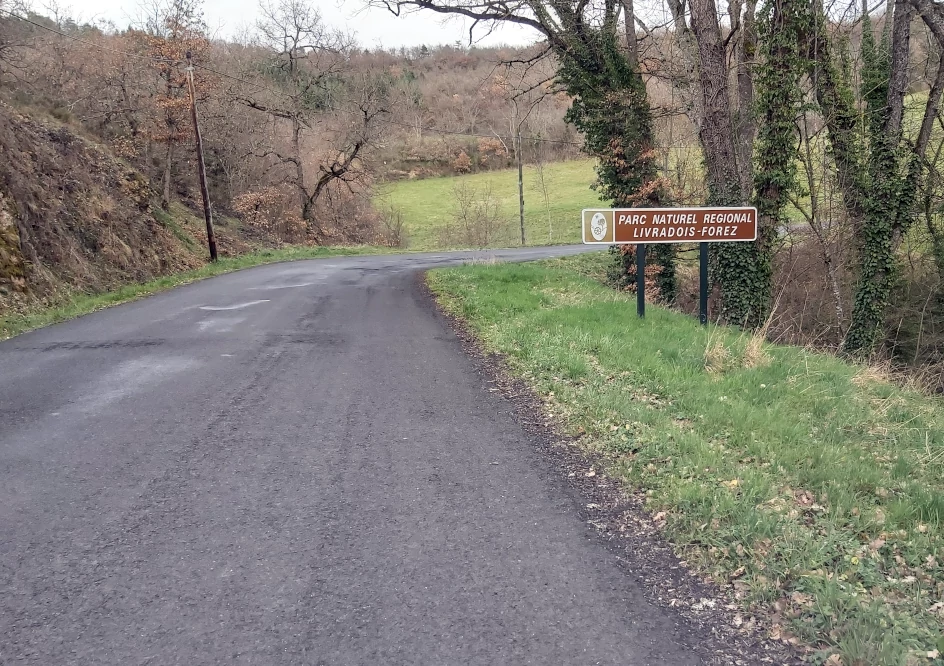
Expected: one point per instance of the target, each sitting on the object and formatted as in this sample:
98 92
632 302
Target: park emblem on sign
668 225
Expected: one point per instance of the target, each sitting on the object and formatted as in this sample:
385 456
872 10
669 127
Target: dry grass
750 351
754 354
717 356
871 375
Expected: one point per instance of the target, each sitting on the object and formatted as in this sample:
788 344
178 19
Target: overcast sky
372 27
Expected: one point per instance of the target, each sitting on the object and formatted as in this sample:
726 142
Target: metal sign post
703 283
641 280
639 226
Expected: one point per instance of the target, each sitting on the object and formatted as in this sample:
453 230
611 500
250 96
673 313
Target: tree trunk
716 133
778 89
303 199
128 110
165 191
745 124
632 44
890 202
520 186
837 105
689 49
169 123
738 268
898 80
933 16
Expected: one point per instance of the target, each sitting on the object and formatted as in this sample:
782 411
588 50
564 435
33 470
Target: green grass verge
428 205
76 304
811 488
167 220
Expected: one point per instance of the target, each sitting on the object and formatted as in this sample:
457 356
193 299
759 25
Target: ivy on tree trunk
604 79
741 271
611 108
892 178
783 25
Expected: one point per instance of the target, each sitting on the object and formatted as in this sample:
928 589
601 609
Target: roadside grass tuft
717 356
810 488
75 304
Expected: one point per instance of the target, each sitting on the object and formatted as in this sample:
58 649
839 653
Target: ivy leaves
611 108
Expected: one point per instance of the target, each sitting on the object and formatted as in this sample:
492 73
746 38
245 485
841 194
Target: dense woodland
827 118
295 116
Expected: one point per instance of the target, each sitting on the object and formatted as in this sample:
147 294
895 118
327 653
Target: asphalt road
294 464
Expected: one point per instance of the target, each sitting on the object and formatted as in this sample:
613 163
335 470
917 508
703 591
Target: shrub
462 163
477 221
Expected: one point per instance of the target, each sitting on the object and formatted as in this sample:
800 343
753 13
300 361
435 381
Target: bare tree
305 85
524 87
13 37
171 29
542 186
305 58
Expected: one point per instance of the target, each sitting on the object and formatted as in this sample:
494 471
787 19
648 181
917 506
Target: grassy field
811 489
428 205
76 304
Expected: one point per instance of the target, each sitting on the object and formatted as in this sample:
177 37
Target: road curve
294 464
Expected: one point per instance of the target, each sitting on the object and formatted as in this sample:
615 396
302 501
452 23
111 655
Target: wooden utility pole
517 121
520 183
207 213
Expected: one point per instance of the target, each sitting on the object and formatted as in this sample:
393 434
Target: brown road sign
668 225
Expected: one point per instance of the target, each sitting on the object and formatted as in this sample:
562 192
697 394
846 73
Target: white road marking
283 286
240 306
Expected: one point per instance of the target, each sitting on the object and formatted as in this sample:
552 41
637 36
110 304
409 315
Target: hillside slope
73 216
